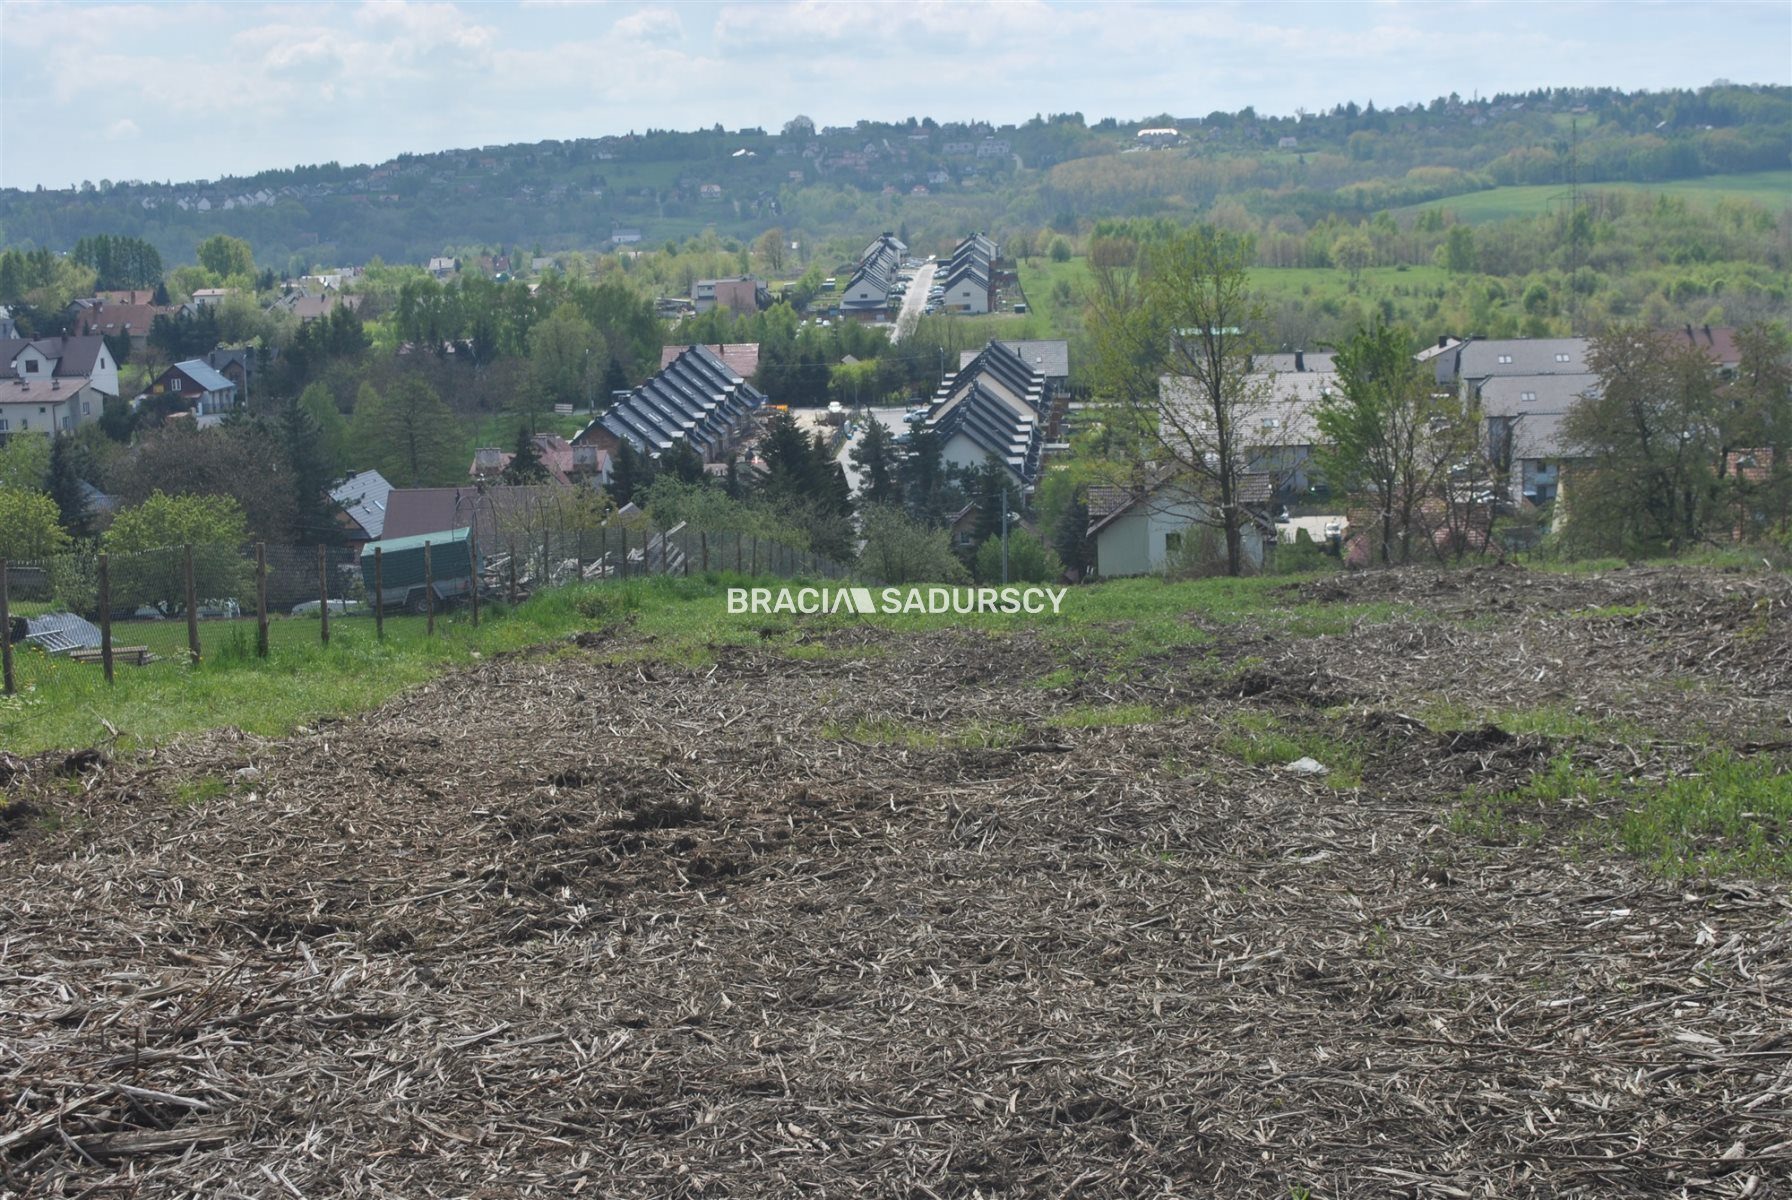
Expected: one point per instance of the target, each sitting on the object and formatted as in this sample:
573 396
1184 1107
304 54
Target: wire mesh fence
81 617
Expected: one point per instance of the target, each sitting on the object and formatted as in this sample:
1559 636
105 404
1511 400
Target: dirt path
563 923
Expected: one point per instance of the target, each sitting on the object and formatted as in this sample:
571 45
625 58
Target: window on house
174 385
2 424
1173 543
86 408
1527 396
1505 358
1561 358
31 366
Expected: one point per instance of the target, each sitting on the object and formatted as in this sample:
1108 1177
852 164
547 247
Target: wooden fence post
429 592
106 613
323 592
379 594
192 607
261 599
474 574
703 546
6 679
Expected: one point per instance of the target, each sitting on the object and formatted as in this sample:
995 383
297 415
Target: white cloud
122 129
650 25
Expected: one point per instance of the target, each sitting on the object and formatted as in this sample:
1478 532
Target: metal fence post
323 593
379 594
6 678
429 592
105 567
261 599
192 607
473 571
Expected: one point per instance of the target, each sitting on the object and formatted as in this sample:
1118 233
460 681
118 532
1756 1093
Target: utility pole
1004 537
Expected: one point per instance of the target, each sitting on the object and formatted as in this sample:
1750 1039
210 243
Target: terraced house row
697 398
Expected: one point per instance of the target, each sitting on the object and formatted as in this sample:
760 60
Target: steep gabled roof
697 397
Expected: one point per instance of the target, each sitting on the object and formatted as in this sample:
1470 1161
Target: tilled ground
561 925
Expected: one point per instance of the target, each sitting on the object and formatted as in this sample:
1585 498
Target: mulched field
562 925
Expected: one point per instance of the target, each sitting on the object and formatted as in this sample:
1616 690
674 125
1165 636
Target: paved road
913 302
892 419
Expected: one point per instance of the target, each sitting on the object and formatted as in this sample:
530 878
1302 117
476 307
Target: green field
1771 189
1041 277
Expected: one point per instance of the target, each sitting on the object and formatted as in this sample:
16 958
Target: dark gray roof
363 497
1508 395
697 397
74 355
1513 356
1312 360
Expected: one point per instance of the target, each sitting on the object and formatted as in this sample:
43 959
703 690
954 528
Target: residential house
207 296
867 294
740 357
54 385
240 365
195 387
997 404
1150 529
968 278
624 237
744 295
1523 415
9 328
697 399
1465 365
441 267
565 463
120 314
489 511
710 191
1159 137
309 306
1050 358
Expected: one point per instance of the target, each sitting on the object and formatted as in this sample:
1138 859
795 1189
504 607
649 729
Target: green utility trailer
402 582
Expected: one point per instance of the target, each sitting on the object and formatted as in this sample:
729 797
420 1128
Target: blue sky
184 91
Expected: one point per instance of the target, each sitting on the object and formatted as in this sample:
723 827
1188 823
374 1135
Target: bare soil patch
562 924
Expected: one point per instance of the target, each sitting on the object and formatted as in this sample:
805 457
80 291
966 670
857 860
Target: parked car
310 608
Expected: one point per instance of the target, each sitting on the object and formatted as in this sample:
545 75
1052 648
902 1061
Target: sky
183 91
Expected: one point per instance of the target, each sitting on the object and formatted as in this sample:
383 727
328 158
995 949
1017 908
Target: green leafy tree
30 525
926 490
1648 443
615 380
1060 251
226 257
1029 560
411 437
900 550
1384 437
25 463
631 473
332 426
148 562
1353 251
560 350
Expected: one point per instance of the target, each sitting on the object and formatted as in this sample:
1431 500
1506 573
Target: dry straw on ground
559 925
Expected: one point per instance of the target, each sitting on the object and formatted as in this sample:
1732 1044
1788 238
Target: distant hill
936 179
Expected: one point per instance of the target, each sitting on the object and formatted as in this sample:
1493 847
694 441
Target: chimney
1443 341
1300 360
